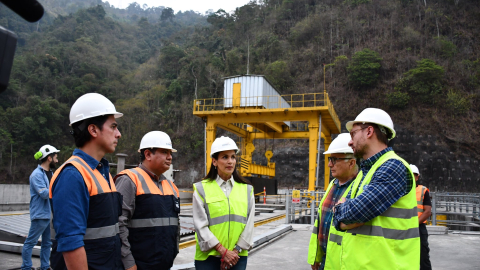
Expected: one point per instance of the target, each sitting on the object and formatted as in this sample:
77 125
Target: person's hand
230 259
344 227
342 200
316 266
132 268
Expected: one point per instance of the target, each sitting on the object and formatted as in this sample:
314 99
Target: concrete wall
14 197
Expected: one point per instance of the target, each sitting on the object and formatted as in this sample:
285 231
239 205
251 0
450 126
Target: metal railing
310 100
460 211
306 210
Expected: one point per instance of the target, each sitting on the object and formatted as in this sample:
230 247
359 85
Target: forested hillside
419 60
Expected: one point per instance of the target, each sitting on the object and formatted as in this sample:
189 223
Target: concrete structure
14 197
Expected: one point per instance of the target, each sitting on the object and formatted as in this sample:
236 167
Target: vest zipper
228 239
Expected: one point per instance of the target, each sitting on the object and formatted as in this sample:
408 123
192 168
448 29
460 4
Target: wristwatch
239 249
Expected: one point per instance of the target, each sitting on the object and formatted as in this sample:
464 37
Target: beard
53 165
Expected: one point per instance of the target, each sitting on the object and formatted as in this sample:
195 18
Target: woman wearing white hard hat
223 212
343 167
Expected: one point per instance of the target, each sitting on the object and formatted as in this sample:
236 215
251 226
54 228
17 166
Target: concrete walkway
448 252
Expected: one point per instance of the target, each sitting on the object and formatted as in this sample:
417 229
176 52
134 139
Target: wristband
223 255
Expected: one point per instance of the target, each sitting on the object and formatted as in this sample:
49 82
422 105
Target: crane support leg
211 134
313 127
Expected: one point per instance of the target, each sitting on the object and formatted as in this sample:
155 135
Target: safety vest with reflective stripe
420 190
315 251
390 240
153 228
227 217
102 222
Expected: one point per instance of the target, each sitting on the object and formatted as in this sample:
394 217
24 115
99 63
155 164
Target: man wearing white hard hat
379 217
344 169
149 224
424 206
40 208
85 203
223 212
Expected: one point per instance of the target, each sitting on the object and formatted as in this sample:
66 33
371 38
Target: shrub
457 102
398 99
364 68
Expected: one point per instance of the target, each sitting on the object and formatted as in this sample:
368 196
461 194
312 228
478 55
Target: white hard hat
92 105
156 139
223 144
45 151
414 169
374 116
340 145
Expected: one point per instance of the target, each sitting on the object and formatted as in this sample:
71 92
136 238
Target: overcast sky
184 5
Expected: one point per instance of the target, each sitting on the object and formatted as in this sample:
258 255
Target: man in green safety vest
344 169
379 217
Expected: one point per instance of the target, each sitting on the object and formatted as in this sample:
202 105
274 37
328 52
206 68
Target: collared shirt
70 201
206 239
336 192
128 189
39 203
389 183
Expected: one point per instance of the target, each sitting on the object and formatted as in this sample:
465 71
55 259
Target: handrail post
287 206
312 209
434 209
121 162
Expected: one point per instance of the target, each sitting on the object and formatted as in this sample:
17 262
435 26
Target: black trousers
424 249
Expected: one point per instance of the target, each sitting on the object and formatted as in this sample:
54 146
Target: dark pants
213 263
424 249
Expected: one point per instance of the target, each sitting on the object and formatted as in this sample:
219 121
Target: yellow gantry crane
252 109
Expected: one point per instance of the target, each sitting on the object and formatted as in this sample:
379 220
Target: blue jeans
213 263
37 228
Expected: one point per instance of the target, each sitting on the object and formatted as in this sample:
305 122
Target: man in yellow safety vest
424 206
379 216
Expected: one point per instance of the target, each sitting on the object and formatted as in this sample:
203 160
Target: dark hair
142 153
40 161
212 174
80 129
382 137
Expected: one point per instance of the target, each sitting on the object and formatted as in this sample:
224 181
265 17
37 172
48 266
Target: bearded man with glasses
378 219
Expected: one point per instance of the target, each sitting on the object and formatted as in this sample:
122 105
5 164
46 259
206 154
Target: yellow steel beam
260 126
313 127
327 169
275 126
211 134
284 135
234 129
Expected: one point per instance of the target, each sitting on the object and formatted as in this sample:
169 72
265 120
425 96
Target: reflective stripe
227 218
419 202
420 210
101 232
90 172
315 229
201 192
336 238
152 222
249 197
171 186
142 180
400 213
386 233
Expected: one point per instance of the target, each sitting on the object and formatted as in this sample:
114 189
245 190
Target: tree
167 14
425 80
364 68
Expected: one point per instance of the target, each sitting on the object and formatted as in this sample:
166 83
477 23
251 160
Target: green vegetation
152 63
424 81
364 68
398 99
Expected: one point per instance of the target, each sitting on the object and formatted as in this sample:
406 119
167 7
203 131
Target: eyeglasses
353 132
334 159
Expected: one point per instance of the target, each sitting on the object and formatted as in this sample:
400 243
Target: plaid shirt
336 192
389 183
